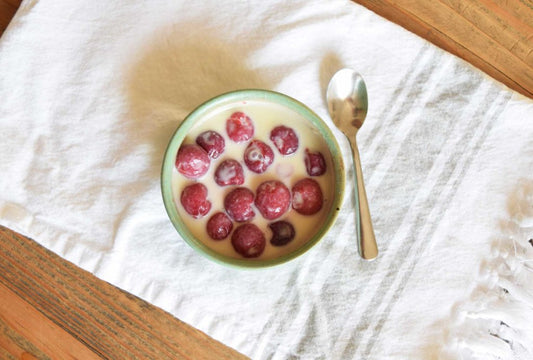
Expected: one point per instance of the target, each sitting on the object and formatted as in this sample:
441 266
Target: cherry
272 199
219 226
248 240
192 161
314 163
307 197
238 204
194 200
212 142
282 233
285 139
229 172
258 156
239 127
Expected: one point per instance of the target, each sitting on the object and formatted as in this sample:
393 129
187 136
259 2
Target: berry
194 200
314 163
238 204
272 199
212 142
248 240
229 172
219 226
307 197
285 139
282 233
192 161
258 156
239 127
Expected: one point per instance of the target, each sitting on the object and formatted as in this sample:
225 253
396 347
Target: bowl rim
235 97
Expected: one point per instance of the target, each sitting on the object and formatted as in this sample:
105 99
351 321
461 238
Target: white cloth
91 92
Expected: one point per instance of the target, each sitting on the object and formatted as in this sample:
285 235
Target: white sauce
287 169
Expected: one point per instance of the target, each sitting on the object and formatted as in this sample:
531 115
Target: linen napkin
92 92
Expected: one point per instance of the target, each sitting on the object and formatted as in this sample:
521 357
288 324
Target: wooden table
49 308
494 35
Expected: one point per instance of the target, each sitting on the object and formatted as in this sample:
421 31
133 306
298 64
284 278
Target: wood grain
35 328
50 308
7 11
494 35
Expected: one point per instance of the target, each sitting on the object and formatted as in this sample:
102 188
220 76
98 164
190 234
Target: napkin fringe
496 322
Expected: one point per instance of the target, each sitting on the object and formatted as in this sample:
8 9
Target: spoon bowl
347 100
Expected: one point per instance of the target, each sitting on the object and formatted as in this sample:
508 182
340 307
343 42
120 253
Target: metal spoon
348 104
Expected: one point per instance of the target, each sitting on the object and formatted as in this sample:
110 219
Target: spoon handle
367 245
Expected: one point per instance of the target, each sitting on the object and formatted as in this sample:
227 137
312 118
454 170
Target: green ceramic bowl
226 100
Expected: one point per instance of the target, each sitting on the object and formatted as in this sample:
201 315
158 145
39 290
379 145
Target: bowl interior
225 100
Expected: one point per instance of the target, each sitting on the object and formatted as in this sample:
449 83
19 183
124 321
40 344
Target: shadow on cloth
330 64
179 70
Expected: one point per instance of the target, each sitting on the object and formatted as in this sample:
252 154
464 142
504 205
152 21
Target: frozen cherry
285 139
239 127
307 197
212 142
314 163
194 200
272 199
192 161
219 226
282 233
258 156
238 204
229 172
248 240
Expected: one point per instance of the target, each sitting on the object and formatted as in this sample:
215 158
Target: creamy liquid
287 169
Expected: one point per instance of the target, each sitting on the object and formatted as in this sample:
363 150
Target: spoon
348 104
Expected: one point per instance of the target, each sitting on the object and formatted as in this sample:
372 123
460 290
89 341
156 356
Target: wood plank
521 9
14 3
14 346
465 33
35 329
108 321
499 25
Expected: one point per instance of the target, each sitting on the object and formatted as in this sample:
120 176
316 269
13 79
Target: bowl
267 110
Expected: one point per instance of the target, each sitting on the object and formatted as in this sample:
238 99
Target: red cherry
212 142
314 163
219 226
282 233
239 127
192 161
229 172
194 200
307 197
258 156
285 139
238 204
248 240
272 199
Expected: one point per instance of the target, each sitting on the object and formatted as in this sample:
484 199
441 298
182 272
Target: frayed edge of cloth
496 322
